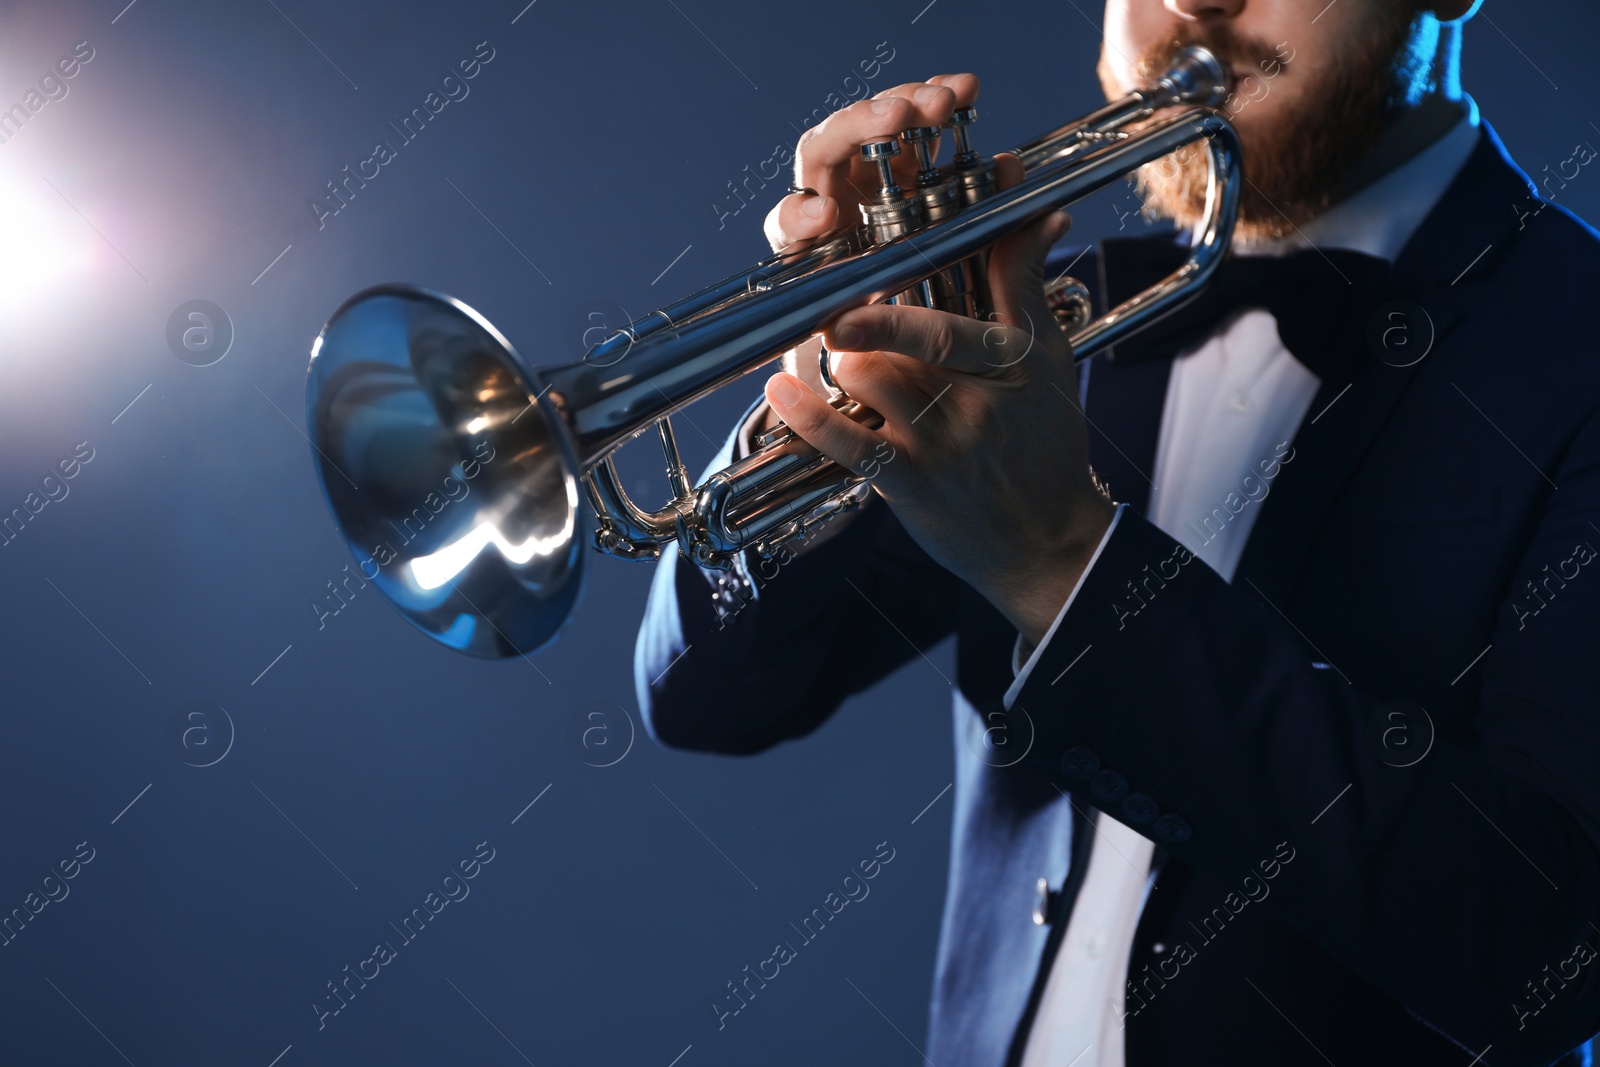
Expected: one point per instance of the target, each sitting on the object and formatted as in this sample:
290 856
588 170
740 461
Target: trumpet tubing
406 383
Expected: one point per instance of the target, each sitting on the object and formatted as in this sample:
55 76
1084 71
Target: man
1301 669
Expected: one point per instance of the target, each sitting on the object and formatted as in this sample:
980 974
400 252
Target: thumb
1016 263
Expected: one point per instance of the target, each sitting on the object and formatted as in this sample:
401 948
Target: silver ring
825 368
793 189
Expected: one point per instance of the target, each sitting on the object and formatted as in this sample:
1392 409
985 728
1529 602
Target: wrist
1031 595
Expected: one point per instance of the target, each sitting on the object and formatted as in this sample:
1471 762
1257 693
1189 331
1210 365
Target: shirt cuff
1026 668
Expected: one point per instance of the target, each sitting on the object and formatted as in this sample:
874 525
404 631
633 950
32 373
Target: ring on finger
825 368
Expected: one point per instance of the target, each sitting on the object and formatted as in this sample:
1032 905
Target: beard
1293 161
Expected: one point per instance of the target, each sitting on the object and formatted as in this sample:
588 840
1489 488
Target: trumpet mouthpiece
1195 77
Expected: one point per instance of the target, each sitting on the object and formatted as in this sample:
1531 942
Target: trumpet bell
450 479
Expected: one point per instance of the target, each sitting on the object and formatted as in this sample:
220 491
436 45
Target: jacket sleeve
818 622
1466 885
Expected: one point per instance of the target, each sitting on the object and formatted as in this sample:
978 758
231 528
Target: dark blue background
191 548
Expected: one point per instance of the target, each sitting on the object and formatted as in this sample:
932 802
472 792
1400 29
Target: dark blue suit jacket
1421 574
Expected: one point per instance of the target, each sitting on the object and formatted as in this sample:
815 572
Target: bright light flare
46 248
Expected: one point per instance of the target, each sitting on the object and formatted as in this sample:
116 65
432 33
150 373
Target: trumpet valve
960 119
881 154
939 193
890 213
974 173
921 139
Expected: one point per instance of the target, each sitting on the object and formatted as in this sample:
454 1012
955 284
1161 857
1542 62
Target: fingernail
882 105
848 337
812 207
782 391
926 95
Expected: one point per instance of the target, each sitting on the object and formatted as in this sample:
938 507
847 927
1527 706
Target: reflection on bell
437 568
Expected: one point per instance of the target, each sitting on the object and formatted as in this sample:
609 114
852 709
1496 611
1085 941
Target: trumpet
452 470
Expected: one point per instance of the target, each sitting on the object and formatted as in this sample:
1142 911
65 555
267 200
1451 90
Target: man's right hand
828 161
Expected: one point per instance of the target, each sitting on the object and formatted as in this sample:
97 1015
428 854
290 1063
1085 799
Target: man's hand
989 465
828 161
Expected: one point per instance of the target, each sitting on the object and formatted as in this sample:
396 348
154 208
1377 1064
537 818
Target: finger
934 337
821 425
828 158
1008 170
827 155
965 86
1016 263
880 380
933 109
800 218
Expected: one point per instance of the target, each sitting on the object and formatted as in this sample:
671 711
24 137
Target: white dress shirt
1233 404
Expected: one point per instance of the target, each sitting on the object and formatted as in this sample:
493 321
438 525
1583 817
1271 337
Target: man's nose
1195 10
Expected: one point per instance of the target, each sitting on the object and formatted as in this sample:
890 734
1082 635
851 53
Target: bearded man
1282 608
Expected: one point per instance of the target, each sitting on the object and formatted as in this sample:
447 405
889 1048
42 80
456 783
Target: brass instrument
453 471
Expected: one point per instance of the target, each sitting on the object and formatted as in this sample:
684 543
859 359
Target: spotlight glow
47 248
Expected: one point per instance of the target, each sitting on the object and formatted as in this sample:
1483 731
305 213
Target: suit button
1108 786
1173 830
1139 808
1079 764
1042 899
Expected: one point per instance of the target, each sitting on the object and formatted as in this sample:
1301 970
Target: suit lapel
1462 236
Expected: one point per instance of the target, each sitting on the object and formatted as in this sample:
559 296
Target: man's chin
1284 186
1264 214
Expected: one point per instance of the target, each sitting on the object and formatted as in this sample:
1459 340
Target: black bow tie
1320 299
